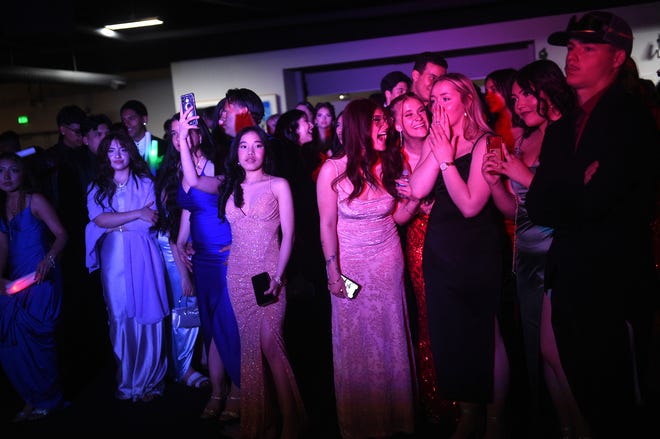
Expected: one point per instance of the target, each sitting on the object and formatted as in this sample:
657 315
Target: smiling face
251 151
134 123
411 118
379 127
526 106
304 130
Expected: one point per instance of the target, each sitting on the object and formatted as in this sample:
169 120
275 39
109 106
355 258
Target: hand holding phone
187 102
350 287
494 145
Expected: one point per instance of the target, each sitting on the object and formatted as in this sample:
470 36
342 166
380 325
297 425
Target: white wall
263 72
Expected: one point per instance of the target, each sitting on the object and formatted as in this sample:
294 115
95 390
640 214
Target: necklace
121 185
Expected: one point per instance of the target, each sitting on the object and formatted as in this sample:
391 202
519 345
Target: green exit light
23 120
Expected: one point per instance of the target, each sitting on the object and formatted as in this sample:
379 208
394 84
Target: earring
401 138
465 114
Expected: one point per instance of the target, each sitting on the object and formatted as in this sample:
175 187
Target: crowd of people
395 214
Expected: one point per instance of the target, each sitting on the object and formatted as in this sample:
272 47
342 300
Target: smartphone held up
187 102
494 145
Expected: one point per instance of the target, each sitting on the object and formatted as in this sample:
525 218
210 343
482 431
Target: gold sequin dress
255 248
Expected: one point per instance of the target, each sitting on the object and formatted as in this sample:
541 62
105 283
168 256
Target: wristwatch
445 165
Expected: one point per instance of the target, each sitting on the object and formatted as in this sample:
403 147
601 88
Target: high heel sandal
209 411
229 414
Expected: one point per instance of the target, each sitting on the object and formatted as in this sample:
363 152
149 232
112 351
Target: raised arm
209 183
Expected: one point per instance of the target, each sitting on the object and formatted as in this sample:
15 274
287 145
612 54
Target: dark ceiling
60 34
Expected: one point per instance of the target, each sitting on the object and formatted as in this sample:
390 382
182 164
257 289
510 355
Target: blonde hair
474 123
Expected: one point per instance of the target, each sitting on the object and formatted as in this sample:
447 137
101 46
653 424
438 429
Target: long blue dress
209 236
28 318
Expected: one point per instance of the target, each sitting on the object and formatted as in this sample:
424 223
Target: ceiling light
134 24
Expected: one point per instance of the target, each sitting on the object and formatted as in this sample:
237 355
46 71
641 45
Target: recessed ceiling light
134 24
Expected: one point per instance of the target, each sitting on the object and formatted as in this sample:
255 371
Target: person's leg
568 412
288 396
468 421
218 384
501 387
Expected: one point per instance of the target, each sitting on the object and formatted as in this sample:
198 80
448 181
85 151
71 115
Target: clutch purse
260 283
185 316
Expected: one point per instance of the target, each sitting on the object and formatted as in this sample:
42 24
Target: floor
89 380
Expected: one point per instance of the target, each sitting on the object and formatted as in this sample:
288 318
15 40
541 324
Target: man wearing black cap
596 186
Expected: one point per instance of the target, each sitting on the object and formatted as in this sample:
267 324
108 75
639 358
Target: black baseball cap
596 27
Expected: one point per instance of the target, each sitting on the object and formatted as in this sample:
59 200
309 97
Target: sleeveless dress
532 243
28 352
462 264
432 404
256 249
373 356
209 236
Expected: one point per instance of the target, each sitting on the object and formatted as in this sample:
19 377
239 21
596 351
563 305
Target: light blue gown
133 279
183 339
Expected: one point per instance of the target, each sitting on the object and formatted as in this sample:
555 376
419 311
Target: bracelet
51 261
278 280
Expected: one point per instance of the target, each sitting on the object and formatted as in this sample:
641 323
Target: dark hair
105 182
136 106
245 97
168 179
70 114
24 188
361 155
547 77
287 125
235 174
391 79
308 105
424 58
10 141
93 121
503 80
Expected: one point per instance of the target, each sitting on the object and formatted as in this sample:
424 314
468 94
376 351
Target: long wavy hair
234 172
168 180
545 76
474 123
360 152
104 183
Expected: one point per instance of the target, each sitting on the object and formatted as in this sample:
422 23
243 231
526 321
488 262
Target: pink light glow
21 283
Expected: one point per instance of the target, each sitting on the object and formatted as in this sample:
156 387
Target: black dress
462 265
